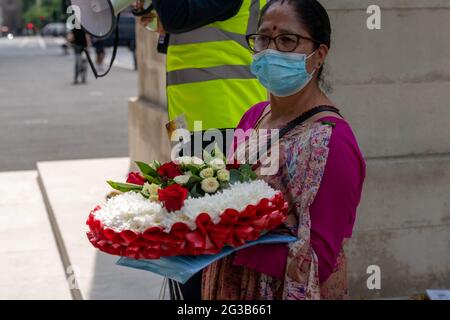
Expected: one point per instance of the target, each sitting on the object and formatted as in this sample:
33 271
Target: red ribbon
234 228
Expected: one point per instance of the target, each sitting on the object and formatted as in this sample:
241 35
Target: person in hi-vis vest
208 67
208 61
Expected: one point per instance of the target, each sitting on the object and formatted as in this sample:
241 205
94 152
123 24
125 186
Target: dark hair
313 16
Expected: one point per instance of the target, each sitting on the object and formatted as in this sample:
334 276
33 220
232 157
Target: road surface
44 117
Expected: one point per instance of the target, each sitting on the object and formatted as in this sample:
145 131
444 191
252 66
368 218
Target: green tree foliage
43 12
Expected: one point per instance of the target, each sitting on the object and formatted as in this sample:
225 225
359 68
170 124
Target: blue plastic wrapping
182 268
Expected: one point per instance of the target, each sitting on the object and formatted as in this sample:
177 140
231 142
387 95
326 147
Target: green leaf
196 191
156 164
247 173
146 169
195 169
235 176
224 185
151 179
193 180
125 187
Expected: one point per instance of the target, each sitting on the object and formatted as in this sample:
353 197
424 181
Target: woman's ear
321 55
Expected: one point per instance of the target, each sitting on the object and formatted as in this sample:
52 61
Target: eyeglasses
284 42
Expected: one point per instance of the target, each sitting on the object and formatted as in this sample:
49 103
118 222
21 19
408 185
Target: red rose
169 170
136 178
173 197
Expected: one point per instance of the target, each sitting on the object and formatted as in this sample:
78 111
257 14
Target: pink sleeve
333 211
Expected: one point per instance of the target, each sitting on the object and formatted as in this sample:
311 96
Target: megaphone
98 17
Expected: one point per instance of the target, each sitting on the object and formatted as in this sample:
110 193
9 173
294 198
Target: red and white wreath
186 207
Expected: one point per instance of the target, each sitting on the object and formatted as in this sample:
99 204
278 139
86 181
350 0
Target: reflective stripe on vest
208 71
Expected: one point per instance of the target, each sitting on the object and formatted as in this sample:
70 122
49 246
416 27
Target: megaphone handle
113 58
143 12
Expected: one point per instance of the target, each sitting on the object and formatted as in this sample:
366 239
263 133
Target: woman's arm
333 211
178 16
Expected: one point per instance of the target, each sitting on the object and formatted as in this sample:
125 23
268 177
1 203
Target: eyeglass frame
247 38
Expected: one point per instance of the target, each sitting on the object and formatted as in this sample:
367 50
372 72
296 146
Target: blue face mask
282 73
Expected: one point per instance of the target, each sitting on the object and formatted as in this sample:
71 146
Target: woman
321 170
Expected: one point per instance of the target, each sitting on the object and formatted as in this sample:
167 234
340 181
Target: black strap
305 116
294 123
113 58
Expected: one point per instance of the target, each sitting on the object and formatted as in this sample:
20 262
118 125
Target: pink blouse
333 211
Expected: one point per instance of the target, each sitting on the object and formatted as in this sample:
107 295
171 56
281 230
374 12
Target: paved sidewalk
30 266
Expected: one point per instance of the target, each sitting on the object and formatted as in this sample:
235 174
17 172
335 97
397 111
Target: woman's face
282 18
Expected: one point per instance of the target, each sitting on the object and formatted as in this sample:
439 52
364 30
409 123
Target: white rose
223 175
207 173
210 185
217 164
182 180
183 160
197 161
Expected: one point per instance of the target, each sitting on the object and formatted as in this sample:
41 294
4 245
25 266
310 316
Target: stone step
72 189
31 267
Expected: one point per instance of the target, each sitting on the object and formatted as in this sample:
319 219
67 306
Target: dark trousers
190 291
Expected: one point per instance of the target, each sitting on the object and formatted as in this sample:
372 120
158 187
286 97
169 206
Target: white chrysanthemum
210 185
182 180
223 175
207 173
239 196
217 164
131 211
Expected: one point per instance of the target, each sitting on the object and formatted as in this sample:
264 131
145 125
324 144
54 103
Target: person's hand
149 18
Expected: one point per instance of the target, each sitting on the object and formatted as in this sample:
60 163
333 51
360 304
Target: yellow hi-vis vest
208 71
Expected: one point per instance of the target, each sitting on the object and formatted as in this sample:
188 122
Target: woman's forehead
281 18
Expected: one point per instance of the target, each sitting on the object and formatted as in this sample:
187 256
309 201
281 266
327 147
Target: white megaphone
98 17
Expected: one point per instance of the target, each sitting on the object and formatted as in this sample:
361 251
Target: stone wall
393 85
